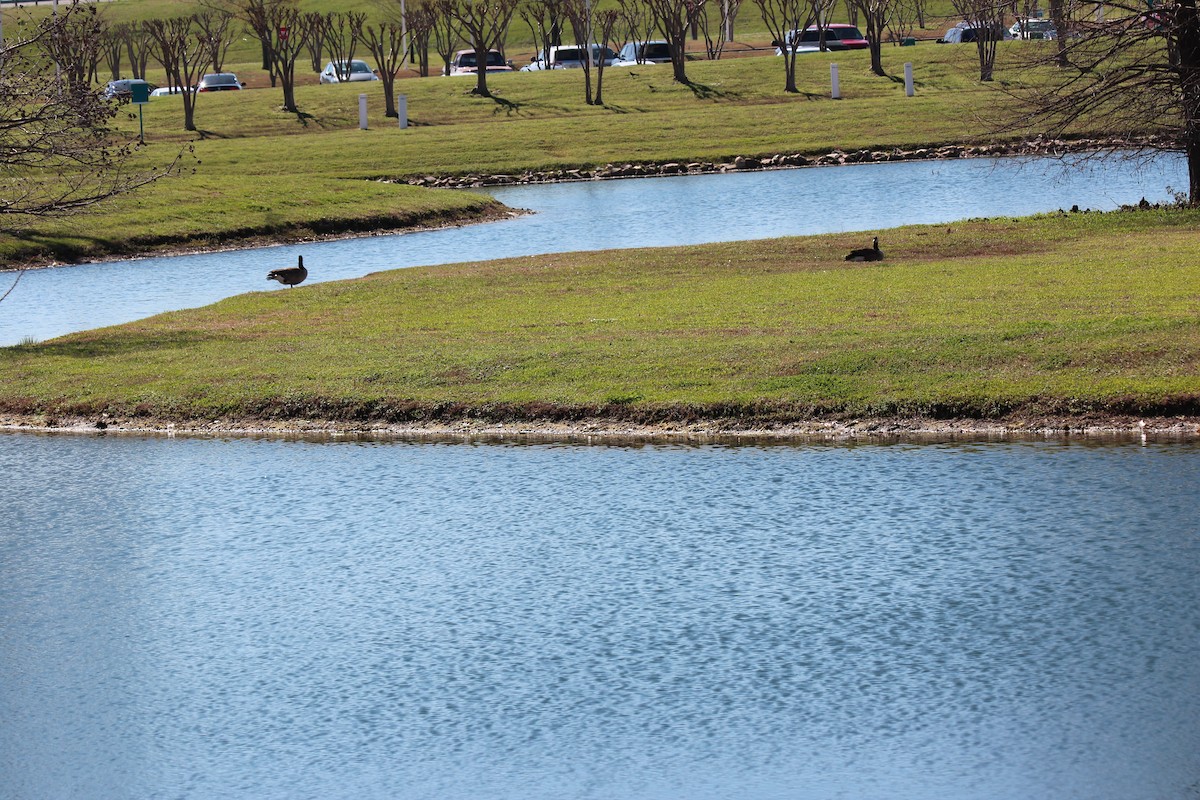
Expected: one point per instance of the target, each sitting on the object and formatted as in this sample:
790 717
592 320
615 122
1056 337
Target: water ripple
191 618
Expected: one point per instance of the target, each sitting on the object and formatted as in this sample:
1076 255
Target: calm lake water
599 215
245 618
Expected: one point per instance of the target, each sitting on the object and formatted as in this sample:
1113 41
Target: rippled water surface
599 215
271 619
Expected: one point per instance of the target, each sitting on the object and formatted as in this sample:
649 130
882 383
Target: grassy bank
1066 314
257 171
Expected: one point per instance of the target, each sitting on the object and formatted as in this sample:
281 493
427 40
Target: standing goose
289 276
872 253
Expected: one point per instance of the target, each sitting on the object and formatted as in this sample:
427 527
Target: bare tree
214 31
112 42
446 34
876 14
289 29
484 24
74 45
905 16
1132 72
180 47
58 151
138 46
673 18
638 20
1061 12
987 17
785 21
592 28
603 23
316 46
545 21
716 37
822 10
420 21
388 48
260 17
340 31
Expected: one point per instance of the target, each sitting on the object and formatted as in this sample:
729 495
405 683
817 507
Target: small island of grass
1011 322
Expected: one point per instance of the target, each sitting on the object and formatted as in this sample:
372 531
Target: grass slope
1055 314
257 171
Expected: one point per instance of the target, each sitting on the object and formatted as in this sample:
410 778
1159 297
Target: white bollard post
402 110
362 111
908 81
833 79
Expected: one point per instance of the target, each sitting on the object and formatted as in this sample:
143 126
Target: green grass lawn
1054 314
254 171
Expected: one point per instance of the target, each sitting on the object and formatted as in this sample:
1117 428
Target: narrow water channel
197 618
600 215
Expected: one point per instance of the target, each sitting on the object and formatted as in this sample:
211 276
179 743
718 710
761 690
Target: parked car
164 91
838 36
965 32
122 89
570 57
219 82
353 71
464 63
655 52
1033 28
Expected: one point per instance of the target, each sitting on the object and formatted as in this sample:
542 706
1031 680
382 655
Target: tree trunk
1187 25
877 56
389 97
289 97
1058 16
789 63
679 63
189 111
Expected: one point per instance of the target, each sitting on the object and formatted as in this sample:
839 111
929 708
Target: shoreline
353 229
601 429
1038 146
493 212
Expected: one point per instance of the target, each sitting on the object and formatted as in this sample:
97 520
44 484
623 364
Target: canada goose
872 253
289 276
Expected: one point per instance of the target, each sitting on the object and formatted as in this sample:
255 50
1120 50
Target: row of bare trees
1119 68
58 151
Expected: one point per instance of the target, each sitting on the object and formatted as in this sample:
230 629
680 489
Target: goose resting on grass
872 253
289 276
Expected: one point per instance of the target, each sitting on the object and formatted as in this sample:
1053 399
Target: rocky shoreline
599 429
1040 146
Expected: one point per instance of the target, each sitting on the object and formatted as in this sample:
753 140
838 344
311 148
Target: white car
352 71
967 32
570 57
634 53
167 90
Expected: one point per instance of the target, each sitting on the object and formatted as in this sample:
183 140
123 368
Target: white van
635 53
570 57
